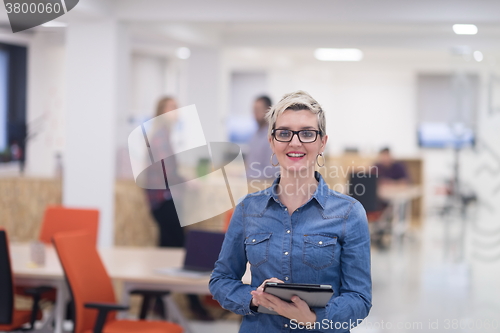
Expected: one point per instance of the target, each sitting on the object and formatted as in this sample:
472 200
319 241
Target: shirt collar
320 195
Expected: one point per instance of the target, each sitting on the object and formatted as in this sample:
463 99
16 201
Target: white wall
46 103
97 54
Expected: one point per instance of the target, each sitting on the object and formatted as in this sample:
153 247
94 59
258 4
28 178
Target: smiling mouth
295 154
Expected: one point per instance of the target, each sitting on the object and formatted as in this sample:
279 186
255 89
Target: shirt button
286 209
286 278
286 253
285 326
253 240
288 231
320 242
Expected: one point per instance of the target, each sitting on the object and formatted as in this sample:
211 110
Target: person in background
257 159
389 170
160 200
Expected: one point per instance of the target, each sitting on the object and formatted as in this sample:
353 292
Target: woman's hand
260 288
298 309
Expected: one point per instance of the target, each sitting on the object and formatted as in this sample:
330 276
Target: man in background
258 157
389 170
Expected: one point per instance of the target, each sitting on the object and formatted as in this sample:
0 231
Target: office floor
431 282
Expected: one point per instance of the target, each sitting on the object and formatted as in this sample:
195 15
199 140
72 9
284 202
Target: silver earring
275 165
317 160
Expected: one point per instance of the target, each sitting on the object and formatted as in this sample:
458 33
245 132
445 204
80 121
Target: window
13 61
447 106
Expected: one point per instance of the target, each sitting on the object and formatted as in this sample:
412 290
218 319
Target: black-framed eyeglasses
286 135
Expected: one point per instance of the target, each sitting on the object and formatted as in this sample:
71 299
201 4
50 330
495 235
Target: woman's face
170 105
295 156
170 109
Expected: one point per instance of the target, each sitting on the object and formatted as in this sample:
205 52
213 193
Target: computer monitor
202 250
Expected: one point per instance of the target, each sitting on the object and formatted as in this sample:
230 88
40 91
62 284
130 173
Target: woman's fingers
274 302
273 279
301 304
266 300
257 294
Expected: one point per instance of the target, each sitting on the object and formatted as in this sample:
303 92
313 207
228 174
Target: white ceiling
406 24
337 11
318 23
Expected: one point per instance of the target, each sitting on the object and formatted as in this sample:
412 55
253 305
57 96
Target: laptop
202 251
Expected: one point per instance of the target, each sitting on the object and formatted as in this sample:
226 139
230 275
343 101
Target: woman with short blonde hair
296 231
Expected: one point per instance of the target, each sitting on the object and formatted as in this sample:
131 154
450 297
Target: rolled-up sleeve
225 282
353 302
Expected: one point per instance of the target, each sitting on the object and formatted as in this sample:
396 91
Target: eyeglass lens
287 135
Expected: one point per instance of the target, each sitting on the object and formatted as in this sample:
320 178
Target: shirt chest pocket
257 248
318 251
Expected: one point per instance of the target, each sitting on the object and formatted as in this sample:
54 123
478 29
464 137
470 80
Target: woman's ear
323 142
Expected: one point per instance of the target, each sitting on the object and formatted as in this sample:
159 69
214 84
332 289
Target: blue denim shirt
325 241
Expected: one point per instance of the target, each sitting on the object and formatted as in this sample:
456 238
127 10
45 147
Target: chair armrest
146 292
103 309
107 306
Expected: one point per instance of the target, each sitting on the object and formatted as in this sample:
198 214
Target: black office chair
10 318
363 187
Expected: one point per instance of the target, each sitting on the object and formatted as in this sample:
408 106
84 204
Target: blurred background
419 77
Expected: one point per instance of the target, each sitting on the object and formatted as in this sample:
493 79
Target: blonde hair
162 102
297 100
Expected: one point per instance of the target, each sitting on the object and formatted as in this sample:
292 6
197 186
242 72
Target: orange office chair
227 219
10 318
60 219
91 289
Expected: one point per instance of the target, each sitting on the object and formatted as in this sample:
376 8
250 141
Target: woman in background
161 203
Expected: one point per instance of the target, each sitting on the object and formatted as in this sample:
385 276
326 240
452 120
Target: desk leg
401 221
60 306
125 299
394 223
175 315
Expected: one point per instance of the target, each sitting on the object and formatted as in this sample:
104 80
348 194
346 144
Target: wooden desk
133 266
338 168
51 274
399 192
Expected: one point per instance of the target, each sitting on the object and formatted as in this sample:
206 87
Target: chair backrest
86 275
61 219
227 219
6 281
363 187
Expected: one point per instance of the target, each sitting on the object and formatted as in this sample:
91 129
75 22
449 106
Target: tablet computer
315 295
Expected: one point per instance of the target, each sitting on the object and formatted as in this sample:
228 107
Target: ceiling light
54 24
478 56
183 53
328 54
465 29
